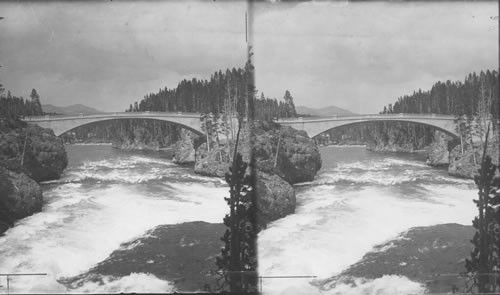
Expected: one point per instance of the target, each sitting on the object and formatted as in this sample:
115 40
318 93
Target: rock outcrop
437 152
298 159
390 147
216 161
20 196
47 157
213 163
136 144
467 164
28 154
41 153
276 198
184 150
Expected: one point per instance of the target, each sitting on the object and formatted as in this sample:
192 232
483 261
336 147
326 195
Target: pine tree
238 259
289 105
35 101
205 121
483 267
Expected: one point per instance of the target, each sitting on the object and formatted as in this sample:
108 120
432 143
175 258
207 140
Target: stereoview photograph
249 147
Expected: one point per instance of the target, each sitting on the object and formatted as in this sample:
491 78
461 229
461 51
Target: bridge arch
63 124
316 126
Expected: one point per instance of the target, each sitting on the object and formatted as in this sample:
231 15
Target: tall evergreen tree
483 267
238 259
36 108
289 105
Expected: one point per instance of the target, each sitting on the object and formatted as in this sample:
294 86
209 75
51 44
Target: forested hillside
476 95
473 102
224 95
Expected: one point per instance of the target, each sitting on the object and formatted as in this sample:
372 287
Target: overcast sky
358 56
362 56
109 54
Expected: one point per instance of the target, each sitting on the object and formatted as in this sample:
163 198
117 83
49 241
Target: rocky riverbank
28 154
463 162
390 148
298 160
438 154
467 164
433 256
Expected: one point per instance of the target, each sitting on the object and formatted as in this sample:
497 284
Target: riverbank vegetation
28 154
474 102
219 99
483 266
14 107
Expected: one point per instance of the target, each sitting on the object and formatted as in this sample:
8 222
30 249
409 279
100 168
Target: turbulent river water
104 198
107 197
358 200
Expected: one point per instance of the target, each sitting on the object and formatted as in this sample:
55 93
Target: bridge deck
367 116
111 116
317 125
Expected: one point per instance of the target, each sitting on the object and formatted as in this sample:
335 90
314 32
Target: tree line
14 107
478 93
474 103
225 92
224 96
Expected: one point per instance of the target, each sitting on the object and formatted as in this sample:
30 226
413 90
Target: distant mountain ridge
69 110
323 112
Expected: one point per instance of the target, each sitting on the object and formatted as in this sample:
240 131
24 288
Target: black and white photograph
249 147
398 98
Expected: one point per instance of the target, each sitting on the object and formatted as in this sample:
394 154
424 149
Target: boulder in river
437 152
213 163
41 153
275 198
298 159
20 196
184 150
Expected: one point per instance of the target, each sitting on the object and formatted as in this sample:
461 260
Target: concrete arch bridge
64 123
316 126
313 126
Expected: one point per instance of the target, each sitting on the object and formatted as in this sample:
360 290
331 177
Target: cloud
362 56
359 56
108 54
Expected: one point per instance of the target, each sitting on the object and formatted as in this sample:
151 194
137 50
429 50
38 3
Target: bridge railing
112 114
367 116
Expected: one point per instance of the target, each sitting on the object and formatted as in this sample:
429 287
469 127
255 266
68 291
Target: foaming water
135 282
390 285
354 204
98 205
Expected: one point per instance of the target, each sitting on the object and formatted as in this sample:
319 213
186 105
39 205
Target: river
359 199
107 197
